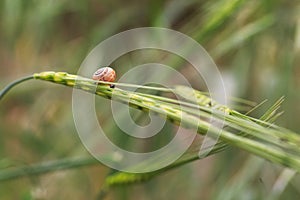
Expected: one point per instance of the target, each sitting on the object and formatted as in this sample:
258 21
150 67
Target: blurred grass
254 43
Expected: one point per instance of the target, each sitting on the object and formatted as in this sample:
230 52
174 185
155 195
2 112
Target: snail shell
105 74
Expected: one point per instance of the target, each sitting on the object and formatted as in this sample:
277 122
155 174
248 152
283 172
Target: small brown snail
105 74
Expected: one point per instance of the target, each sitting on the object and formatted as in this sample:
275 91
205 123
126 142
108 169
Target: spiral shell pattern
105 74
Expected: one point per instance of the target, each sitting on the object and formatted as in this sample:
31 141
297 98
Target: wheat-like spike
277 135
180 116
285 152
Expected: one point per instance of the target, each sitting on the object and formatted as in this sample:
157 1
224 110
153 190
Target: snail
105 74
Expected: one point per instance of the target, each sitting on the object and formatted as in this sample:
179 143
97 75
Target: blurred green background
255 44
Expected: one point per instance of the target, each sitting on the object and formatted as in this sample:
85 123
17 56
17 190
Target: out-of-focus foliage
256 45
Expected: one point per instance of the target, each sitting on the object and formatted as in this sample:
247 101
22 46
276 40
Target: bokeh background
255 44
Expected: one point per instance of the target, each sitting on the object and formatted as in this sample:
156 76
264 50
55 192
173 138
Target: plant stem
11 85
41 168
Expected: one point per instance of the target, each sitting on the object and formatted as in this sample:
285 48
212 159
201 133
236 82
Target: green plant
258 136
